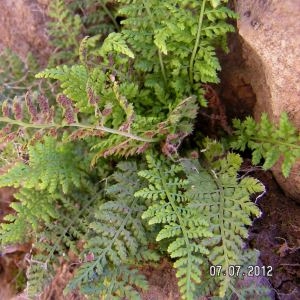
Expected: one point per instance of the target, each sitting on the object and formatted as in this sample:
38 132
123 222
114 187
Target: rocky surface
22 24
270 33
269 65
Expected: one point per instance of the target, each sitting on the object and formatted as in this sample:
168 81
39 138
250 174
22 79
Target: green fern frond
223 202
16 76
180 224
73 82
64 29
269 141
207 64
116 234
220 13
217 29
60 236
32 208
51 166
115 42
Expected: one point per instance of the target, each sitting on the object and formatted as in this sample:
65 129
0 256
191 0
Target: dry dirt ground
276 234
22 24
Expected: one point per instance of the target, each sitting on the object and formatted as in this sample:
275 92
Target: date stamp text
239 271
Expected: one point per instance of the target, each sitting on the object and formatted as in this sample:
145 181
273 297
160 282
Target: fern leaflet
169 207
269 141
223 202
50 167
116 236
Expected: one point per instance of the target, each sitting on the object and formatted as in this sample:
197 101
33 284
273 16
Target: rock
269 39
44 2
23 27
270 32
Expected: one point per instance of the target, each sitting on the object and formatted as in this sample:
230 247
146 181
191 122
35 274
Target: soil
23 29
162 282
277 236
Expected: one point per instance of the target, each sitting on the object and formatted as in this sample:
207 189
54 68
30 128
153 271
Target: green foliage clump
133 93
182 225
204 214
50 166
16 76
57 238
70 22
268 141
174 42
116 237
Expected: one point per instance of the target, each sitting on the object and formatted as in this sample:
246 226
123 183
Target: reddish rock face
269 41
22 24
270 32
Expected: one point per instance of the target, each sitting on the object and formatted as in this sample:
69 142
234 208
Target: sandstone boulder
22 24
269 39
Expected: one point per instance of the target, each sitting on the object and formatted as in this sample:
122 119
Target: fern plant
163 34
117 235
203 216
67 27
180 223
224 202
268 141
16 76
136 93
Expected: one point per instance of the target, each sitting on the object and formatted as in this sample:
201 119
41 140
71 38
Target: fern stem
293 146
117 234
162 66
107 11
161 62
221 216
74 219
197 42
181 223
54 125
114 131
